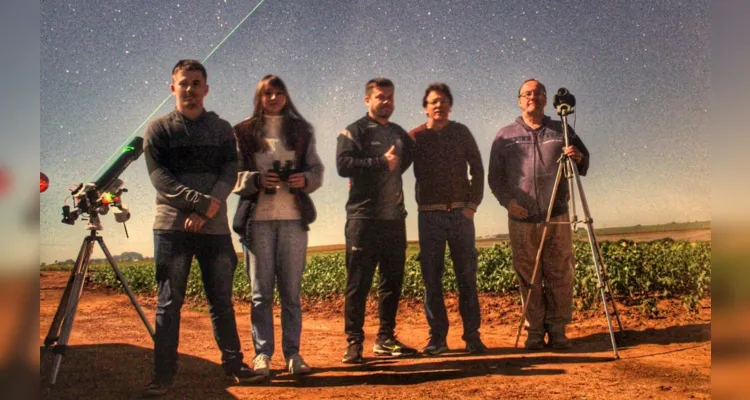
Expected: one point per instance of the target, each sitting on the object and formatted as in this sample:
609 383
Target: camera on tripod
564 102
283 171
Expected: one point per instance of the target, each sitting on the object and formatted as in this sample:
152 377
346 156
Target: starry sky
640 73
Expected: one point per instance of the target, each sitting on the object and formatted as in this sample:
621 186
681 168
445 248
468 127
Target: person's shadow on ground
122 371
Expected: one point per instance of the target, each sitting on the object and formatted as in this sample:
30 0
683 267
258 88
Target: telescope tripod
568 167
62 324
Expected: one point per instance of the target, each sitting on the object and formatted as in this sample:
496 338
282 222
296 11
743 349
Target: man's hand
194 223
297 181
269 180
392 158
574 153
213 208
468 213
516 211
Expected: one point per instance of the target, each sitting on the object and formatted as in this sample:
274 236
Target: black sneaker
475 346
157 388
243 374
353 354
392 347
435 347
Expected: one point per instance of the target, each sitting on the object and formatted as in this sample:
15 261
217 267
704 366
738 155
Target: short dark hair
437 87
190 65
544 89
377 82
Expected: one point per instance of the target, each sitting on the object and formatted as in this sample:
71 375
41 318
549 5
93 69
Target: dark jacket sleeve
476 169
178 195
575 140
347 162
496 176
228 174
407 155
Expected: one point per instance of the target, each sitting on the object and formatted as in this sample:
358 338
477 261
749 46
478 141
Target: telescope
92 199
95 198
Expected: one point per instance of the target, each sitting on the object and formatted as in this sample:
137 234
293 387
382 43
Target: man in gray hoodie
522 171
191 156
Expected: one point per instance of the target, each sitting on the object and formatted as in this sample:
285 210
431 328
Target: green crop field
640 273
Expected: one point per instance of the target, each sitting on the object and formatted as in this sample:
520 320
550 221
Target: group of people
196 160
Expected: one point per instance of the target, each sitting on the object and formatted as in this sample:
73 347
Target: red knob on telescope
43 182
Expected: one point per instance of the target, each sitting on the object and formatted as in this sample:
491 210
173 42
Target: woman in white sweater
279 168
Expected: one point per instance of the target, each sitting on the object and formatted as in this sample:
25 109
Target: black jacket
375 192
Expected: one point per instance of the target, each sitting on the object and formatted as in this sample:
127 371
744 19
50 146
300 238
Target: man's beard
383 112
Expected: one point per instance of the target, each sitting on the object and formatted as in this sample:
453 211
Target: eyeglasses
529 93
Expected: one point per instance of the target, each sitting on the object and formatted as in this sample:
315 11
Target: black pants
370 244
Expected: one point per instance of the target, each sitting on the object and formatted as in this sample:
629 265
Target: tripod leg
75 295
603 280
121 277
54 329
525 304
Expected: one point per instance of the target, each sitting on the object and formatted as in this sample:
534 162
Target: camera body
564 102
283 171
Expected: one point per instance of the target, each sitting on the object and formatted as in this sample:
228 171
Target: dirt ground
110 355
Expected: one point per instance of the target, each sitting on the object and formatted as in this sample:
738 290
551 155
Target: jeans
550 307
369 244
174 251
435 228
276 254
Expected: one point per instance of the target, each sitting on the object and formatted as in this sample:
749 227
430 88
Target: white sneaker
297 366
262 365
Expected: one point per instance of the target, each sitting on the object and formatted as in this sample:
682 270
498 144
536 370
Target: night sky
640 73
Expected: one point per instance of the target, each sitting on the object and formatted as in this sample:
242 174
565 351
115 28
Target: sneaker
534 340
243 374
435 347
297 366
475 346
353 354
392 347
157 388
262 365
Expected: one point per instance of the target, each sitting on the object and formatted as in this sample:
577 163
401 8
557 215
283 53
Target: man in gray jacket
522 171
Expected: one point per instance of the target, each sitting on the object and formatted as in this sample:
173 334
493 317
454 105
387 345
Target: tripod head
564 102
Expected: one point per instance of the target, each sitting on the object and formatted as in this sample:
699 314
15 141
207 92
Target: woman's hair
292 119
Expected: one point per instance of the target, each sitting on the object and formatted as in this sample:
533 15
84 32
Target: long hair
292 121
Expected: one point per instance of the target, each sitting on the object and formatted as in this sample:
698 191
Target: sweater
441 160
189 162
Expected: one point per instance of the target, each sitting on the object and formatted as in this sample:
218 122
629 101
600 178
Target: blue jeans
435 229
276 254
174 251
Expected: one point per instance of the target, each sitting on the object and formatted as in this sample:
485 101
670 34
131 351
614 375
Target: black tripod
59 331
564 102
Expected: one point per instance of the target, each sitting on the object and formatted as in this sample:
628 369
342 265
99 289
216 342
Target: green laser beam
138 129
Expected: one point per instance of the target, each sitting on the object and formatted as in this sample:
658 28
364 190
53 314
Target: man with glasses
522 172
447 198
